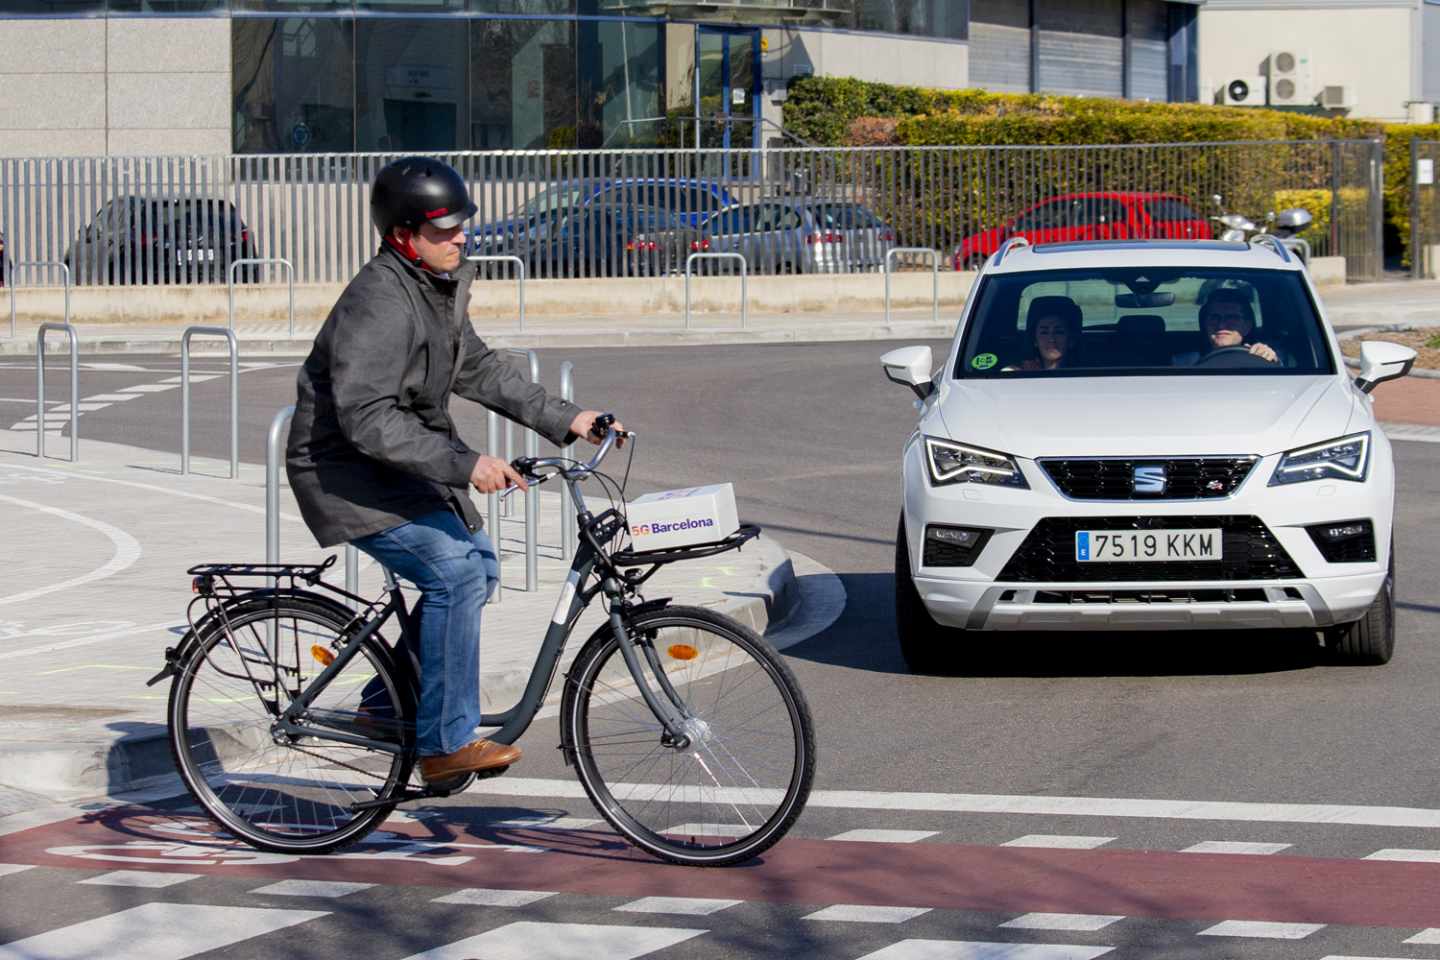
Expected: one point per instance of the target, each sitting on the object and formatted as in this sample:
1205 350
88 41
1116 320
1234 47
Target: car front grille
1186 478
1249 552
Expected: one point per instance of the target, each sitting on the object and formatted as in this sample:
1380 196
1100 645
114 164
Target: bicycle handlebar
527 467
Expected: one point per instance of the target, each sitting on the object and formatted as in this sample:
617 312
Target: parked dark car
690 199
1116 215
599 240
782 235
166 239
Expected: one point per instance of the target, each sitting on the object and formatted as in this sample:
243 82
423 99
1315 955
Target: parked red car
1119 215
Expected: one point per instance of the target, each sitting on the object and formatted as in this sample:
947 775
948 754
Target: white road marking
8 868
1262 930
482 897
547 823
1235 846
127 551
978 950
1227 810
1430 935
329 889
113 397
140 878
29 400
167 627
155 931
866 913
115 367
82 407
709 829
560 941
1072 922
150 387
1407 856
684 906
1057 841
885 836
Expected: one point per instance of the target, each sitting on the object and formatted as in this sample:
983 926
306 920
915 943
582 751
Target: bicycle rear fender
178 654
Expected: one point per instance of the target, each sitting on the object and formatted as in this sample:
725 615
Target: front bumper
976 597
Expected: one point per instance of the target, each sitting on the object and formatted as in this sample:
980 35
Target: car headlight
1345 458
952 462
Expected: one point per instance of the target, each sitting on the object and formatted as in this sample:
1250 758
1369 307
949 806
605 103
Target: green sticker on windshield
984 361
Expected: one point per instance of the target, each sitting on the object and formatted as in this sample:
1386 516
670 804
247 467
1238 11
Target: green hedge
1397 177
823 110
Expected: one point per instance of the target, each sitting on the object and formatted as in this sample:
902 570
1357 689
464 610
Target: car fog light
1349 541
953 546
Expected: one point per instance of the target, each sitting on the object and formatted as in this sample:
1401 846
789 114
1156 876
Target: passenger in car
1227 320
1052 329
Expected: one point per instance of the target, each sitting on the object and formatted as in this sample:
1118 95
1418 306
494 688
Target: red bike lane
441 852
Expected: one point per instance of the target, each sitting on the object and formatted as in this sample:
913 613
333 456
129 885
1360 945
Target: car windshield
1143 322
846 217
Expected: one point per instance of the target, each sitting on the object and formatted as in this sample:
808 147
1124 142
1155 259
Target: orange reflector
682 651
323 655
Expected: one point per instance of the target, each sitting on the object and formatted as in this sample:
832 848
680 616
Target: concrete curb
588 337
133 762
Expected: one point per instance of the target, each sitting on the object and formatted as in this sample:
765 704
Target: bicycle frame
513 723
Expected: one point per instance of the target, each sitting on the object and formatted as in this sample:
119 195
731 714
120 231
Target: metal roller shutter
1000 45
1081 47
1149 49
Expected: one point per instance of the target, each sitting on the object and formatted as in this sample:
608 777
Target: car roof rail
1005 247
1273 242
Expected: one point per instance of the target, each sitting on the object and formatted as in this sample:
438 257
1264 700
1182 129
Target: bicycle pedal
443 788
492 772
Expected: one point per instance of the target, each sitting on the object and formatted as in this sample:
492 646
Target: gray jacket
372 444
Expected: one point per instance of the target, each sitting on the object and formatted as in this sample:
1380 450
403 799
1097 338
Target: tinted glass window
411 86
928 18
1125 322
293 85
167 6
53 7
734 220
522 84
618 72
1095 211
1170 209
846 217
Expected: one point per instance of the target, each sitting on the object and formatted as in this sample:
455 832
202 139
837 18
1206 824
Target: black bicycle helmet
416 190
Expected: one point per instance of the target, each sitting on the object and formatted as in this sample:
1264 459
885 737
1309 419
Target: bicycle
291 716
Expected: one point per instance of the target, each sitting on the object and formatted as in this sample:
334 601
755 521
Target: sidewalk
100 590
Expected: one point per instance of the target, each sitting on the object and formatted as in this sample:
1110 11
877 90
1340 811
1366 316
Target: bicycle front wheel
741 781
276 791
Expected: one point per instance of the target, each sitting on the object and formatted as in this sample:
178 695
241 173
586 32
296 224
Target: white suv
1142 435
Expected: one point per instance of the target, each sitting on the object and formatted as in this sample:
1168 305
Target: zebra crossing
478 923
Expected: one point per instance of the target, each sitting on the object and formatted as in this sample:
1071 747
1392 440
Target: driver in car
1227 320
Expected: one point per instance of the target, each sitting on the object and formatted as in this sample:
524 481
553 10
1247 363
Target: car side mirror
1381 361
910 367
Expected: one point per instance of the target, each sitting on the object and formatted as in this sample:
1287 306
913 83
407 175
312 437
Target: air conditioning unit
1290 84
1337 96
1244 92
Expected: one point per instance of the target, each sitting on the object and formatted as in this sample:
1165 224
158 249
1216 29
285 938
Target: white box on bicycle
680 518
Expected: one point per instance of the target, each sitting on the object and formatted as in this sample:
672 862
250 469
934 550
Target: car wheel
1371 639
923 643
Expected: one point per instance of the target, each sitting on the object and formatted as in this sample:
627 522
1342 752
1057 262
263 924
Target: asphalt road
810 435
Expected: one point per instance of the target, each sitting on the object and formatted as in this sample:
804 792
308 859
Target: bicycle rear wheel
275 791
742 781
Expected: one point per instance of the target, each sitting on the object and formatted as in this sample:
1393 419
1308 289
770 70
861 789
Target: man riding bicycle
374 457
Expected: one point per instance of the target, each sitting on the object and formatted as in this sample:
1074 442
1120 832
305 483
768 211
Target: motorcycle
1283 226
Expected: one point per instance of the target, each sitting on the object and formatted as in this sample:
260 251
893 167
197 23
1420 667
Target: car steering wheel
1237 357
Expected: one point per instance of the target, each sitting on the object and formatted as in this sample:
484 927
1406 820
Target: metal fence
1423 242
183 220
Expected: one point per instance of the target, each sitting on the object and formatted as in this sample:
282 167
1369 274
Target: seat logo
1149 479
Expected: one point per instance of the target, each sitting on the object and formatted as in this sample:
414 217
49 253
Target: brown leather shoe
471 758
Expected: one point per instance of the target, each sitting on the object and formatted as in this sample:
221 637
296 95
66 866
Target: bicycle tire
213 767
604 764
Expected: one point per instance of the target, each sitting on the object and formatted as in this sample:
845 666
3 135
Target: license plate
1125 546
193 255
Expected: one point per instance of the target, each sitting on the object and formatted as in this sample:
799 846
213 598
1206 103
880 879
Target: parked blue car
528 234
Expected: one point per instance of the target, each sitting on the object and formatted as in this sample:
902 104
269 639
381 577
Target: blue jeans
456 572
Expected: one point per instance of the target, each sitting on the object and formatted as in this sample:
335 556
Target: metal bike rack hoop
532 498
492 506
234 348
273 438
74 339
15 274
569 534
520 275
934 256
255 261
744 282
